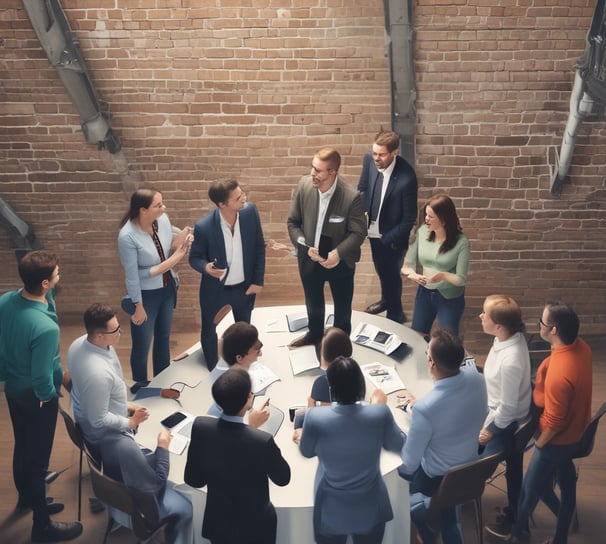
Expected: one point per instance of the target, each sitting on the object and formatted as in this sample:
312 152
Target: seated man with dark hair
239 345
234 461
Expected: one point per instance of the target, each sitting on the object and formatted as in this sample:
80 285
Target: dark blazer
344 223
399 210
234 460
209 245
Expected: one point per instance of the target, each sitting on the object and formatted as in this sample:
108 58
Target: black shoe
57 531
138 385
305 340
51 506
375 307
399 319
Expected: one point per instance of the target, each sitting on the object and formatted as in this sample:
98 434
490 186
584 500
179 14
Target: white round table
294 502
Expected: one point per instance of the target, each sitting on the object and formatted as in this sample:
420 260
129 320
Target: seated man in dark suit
234 461
147 471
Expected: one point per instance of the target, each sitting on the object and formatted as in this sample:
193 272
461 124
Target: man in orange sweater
563 391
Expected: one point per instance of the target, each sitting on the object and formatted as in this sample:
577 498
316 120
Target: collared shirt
233 251
445 424
232 419
324 201
373 228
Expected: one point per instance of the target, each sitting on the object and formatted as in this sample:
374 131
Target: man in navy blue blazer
234 462
229 251
389 187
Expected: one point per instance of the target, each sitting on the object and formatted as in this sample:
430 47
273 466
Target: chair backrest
461 485
588 438
141 507
524 433
73 432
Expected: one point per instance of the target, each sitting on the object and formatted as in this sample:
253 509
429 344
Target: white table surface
294 502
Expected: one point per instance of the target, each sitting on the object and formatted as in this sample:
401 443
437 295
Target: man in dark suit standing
234 461
326 224
229 251
389 186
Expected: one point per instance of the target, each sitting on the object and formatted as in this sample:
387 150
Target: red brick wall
251 89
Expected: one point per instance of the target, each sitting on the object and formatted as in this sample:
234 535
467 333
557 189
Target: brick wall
251 89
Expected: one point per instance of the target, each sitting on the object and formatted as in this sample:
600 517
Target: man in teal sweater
30 366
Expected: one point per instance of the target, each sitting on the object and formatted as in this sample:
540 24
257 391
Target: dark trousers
241 305
341 282
159 305
375 536
34 432
388 262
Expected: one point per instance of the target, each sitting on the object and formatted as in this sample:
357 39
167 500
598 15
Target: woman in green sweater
441 253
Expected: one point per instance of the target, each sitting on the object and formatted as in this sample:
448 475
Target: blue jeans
547 462
159 305
429 304
502 441
174 503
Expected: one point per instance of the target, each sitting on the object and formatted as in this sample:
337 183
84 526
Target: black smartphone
172 420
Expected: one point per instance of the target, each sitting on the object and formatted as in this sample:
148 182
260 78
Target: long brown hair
141 198
445 209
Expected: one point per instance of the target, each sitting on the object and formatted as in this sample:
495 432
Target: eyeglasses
117 329
545 324
238 198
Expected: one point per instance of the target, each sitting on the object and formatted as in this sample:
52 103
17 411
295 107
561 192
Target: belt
241 284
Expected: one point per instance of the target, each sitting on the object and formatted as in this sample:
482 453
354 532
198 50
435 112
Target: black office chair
141 507
462 485
76 437
585 449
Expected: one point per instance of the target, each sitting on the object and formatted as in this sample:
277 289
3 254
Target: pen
266 405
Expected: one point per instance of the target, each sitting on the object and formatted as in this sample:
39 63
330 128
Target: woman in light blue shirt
148 251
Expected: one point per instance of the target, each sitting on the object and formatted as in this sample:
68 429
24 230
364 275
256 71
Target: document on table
373 337
383 377
261 377
303 359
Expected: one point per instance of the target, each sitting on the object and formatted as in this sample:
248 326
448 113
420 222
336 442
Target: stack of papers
383 377
373 337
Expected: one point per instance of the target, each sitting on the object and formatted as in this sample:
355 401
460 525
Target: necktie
375 201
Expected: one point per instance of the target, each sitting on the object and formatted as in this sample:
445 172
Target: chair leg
80 489
477 504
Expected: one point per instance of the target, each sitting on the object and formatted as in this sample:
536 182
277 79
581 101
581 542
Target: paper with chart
383 377
373 337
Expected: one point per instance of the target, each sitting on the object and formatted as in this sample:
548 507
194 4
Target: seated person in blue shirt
239 347
335 343
147 471
443 431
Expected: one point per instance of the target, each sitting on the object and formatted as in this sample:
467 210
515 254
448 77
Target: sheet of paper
303 359
383 377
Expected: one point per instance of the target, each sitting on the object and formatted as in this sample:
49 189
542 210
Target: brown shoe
305 340
375 308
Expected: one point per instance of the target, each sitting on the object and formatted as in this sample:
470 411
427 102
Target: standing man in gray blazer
327 226
389 187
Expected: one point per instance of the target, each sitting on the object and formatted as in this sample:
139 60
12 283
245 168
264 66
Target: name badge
336 219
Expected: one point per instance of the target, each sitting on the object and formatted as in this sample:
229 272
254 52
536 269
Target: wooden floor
591 484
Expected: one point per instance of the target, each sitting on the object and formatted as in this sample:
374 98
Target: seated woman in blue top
347 437
148 251
441 251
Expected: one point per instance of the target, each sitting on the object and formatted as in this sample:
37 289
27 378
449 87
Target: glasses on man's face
544 324
117 329
238 198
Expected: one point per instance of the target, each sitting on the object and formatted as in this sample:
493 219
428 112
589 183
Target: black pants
34 431
388 262
341 282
